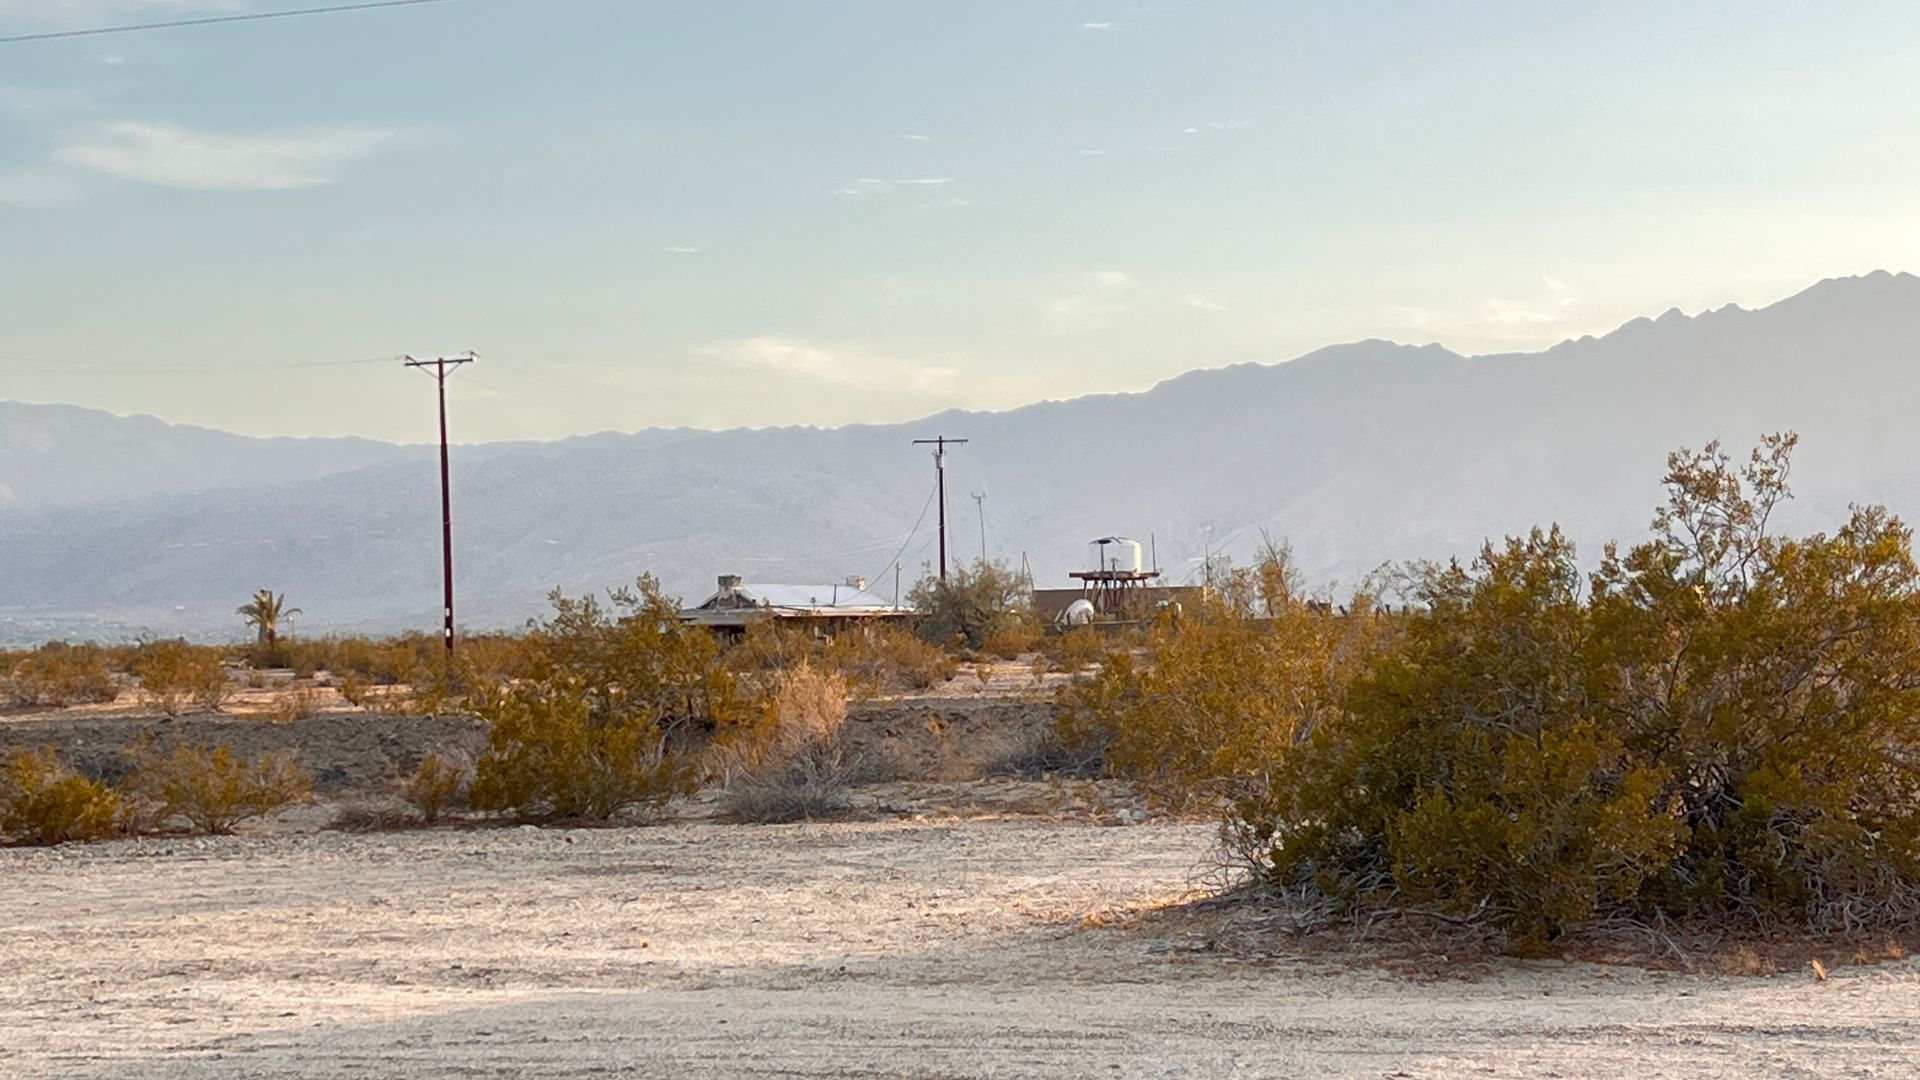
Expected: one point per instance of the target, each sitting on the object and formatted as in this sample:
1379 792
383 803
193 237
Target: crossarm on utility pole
940 444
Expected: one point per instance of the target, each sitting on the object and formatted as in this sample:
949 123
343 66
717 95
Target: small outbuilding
829 609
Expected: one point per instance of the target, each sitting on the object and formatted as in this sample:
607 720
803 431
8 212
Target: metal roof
803 599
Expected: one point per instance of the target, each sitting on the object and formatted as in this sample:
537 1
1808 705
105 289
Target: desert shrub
299 703
1471 768
807 708
553 754
355 689
58 674
797 765
478 673
618 705
42 800
435 784
870 658
1722 725
634 657
897 657
1224 697
974 604
213 788
811 786
1013 641
1077 649
177 675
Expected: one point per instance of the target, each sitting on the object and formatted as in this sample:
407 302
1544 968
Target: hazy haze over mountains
1357 453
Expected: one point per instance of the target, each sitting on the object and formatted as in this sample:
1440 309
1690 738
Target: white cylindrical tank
1116 553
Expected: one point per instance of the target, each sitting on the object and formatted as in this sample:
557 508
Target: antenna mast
980 506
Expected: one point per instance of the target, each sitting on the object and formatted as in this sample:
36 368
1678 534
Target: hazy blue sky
724 213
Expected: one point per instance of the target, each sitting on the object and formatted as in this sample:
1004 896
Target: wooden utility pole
439 367
940 444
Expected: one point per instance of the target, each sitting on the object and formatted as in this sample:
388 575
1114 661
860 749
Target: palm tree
265 611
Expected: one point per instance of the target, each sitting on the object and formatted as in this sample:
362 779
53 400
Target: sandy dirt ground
973 948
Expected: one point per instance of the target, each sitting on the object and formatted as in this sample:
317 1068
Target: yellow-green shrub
619 703
59 674
44 801
435 783
1222 700
213 788
972 604
177 674
550 757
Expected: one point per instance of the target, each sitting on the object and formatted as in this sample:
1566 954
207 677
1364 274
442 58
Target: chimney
857 584
729 583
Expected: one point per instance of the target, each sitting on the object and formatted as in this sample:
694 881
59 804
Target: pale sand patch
894 949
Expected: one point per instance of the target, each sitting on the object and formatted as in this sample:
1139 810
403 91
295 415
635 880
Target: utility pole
940 444
980 506
439 367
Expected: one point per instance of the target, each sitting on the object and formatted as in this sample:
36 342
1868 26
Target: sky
735 213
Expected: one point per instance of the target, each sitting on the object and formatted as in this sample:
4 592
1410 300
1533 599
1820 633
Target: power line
213 20
922 520
55 367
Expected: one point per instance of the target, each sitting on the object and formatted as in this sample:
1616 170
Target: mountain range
1356 454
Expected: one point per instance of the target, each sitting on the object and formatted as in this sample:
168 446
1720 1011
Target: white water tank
1116 553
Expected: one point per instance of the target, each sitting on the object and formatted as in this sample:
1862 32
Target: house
829 609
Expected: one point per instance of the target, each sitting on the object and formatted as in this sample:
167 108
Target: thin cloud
917 138
172 156
1205 303
1100 295
682 249
843 366
1096 26
875 185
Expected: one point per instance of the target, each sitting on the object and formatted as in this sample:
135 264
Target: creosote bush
552 756
213 788
58 674
872 659
1228 691
619 704
435 784
1719 724
300 703
177 675
978 603
43 801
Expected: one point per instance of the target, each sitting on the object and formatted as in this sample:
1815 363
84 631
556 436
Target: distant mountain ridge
1356 453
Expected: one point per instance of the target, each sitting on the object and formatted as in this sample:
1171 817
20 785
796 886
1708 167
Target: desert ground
911 948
